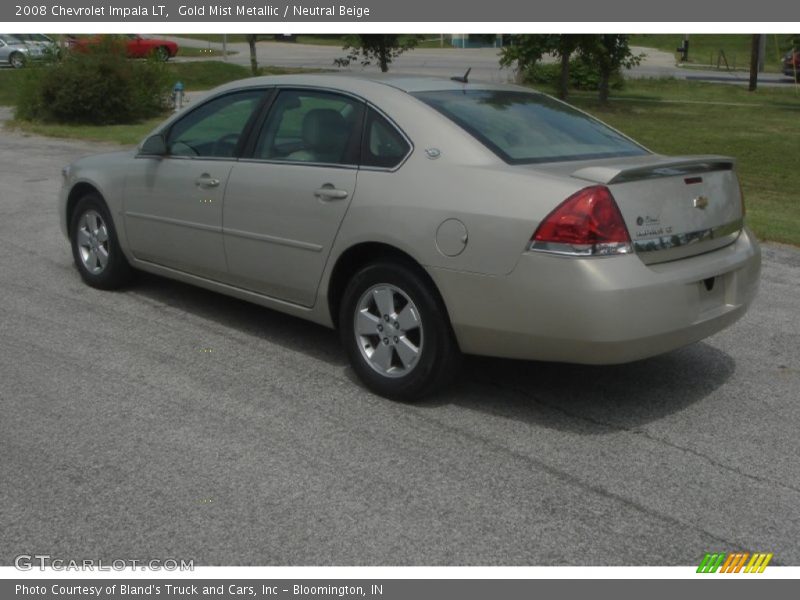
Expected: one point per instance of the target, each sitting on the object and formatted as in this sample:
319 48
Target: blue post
177 95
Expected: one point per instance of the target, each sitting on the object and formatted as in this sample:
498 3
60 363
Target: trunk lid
674 207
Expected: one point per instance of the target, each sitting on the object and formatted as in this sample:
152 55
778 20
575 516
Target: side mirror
155 145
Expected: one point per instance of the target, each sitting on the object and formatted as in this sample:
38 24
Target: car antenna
463 78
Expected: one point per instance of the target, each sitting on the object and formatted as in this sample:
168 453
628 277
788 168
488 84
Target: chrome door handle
328 192
206 181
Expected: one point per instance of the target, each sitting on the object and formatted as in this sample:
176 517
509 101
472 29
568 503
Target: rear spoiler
658 167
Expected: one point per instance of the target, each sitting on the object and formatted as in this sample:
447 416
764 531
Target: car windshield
522 127
33 37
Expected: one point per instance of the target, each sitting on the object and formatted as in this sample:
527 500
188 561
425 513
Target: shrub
582 76
97 85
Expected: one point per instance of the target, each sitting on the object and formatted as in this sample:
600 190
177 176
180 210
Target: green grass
759 129
118 134
704 49
204 75
10 80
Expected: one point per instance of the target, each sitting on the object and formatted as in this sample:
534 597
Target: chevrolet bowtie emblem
700 202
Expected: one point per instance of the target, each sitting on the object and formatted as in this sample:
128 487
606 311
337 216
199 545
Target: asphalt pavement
164 421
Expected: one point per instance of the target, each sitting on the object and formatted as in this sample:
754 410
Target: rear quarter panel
499 205
500 209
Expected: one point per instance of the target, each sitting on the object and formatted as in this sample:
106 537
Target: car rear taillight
588 223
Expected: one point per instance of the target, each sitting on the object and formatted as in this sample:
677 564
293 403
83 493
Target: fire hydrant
177 95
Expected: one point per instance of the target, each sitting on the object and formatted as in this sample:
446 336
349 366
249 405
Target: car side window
306 126
213 129
383 145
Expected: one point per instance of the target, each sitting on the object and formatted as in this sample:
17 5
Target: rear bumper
600 310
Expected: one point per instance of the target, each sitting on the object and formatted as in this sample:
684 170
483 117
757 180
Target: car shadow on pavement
244 317
592 399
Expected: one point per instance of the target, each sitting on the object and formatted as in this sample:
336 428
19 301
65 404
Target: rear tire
95 246
396 332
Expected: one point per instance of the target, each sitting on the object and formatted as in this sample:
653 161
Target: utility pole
755 46
762 51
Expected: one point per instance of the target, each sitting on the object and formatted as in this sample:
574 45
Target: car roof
362 82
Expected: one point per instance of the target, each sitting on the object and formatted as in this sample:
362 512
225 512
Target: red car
136 46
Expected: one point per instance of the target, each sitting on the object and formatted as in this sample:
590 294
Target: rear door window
309 126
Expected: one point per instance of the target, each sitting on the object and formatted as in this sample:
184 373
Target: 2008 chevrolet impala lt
424 218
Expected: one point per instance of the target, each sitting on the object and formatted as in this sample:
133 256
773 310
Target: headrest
324 129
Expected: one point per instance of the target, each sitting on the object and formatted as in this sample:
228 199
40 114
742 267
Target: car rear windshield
522 127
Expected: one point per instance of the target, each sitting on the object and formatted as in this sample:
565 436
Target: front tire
95 246
396 332
16 60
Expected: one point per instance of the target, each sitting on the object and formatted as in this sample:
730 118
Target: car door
136 46
172 204
285 200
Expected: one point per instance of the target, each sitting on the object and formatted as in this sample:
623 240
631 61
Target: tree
527 50
794 49
564 46
524 51
755 48
251 41
382 49
608 53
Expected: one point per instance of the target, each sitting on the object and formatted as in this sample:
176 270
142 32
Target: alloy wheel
92 241
388 330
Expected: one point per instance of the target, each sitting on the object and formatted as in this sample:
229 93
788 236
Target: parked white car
44 44
14 52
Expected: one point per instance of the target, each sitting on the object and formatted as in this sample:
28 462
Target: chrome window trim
298 163
181 157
